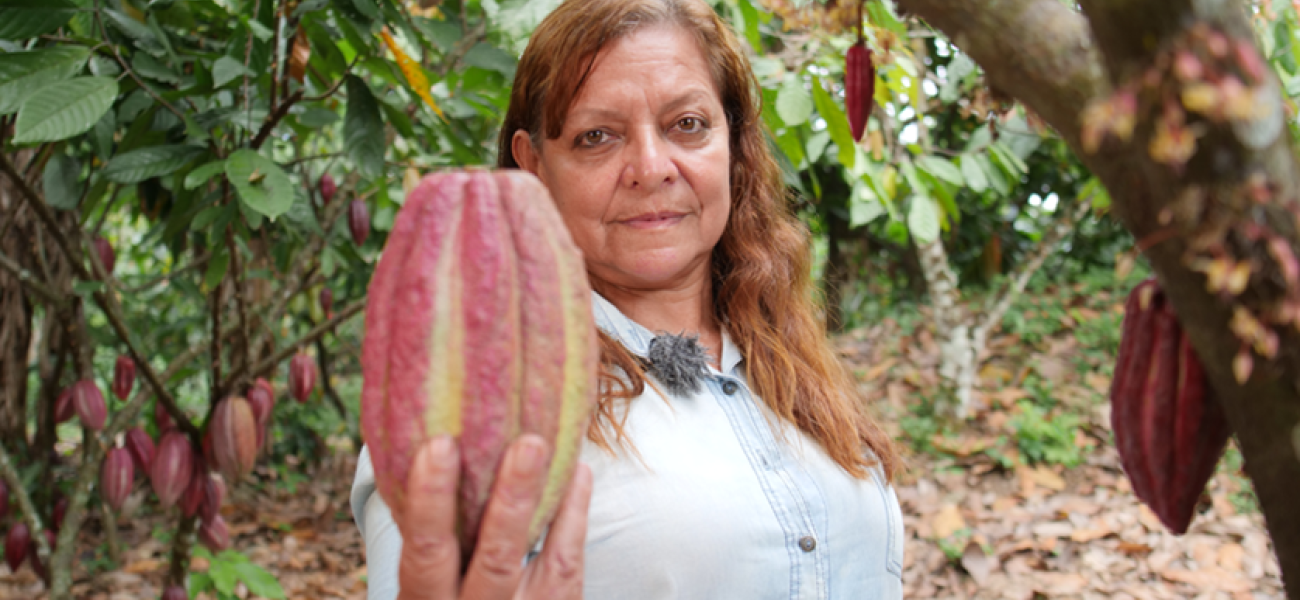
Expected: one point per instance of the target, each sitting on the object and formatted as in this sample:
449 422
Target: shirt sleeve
382 538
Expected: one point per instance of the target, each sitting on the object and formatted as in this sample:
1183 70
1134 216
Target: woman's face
641 170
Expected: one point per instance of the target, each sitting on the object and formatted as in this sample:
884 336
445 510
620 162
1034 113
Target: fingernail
530 454
440 447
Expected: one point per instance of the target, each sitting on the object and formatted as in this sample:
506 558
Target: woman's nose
649 162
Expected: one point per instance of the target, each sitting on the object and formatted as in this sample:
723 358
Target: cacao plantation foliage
195 195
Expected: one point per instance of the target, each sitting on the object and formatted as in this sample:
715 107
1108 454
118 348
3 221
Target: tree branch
31 281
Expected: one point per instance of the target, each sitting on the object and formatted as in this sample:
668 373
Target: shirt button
729 388
807 543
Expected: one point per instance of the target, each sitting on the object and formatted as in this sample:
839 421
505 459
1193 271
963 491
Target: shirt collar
636 338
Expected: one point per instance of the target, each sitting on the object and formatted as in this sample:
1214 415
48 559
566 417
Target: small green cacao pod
478 326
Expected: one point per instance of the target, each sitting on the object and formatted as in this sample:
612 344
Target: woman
764 480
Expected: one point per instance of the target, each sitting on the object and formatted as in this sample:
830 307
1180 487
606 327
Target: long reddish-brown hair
762 282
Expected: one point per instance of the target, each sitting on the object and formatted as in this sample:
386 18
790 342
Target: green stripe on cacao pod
478 325
1169 428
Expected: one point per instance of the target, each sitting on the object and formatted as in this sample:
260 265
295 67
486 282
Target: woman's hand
430 563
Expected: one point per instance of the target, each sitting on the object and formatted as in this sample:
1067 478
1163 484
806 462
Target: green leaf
259 581
836 123
793 103
207 216
22 19
751 18
152 161
146 65
262 185
363 129
316 117
222 573
941 169
61 182
201 175
864 206
883 15
225 70
487 56
973 174
131 27
923 219
22 73
64 109
84 288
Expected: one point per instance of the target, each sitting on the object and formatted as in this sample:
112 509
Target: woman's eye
690 125
591 138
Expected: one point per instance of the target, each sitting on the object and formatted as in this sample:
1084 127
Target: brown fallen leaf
1085 535
1134 548
947 521
1211 579
147 565
977 563
1230 556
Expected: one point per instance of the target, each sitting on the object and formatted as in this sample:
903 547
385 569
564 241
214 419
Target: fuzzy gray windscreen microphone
679 361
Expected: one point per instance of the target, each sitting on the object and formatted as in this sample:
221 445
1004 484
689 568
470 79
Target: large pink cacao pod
63 409
234 437
173 465
116 476
1169 429
88 401
123 377
261 396
478 325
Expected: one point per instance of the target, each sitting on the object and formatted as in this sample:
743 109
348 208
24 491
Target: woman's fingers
497 566
556 573
430 564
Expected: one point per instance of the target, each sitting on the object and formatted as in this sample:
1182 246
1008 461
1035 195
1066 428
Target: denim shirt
718 501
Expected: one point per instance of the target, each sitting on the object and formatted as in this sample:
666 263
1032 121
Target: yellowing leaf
412 71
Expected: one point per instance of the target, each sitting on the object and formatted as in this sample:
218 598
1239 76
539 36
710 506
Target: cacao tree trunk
15 313
1056 61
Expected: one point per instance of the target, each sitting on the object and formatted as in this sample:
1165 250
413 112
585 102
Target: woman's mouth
655 220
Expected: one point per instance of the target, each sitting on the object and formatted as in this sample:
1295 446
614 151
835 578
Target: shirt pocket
893 529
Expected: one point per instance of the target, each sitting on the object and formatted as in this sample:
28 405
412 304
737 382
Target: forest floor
1025 501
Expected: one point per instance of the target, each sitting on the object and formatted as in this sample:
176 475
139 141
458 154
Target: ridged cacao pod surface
193 496
479 326
141 447
1169 429
327 188
88 401
261 397
123 377
214 534
16 544
116 476
302 376
63 409
359 221
214 493
859 87
107 256
173 465
234 437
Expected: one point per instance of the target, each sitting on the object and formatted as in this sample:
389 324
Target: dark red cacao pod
302 376
162 419
89 404
173 465
859 87
261 397
1169 428
234 437
359 221
327 302
123 377
17 542
63 409
115 477
214 534
214 493
141 447
175 592
60 511
327 188
107 256
50 540
193 497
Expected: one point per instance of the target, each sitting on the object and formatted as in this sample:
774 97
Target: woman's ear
522 147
